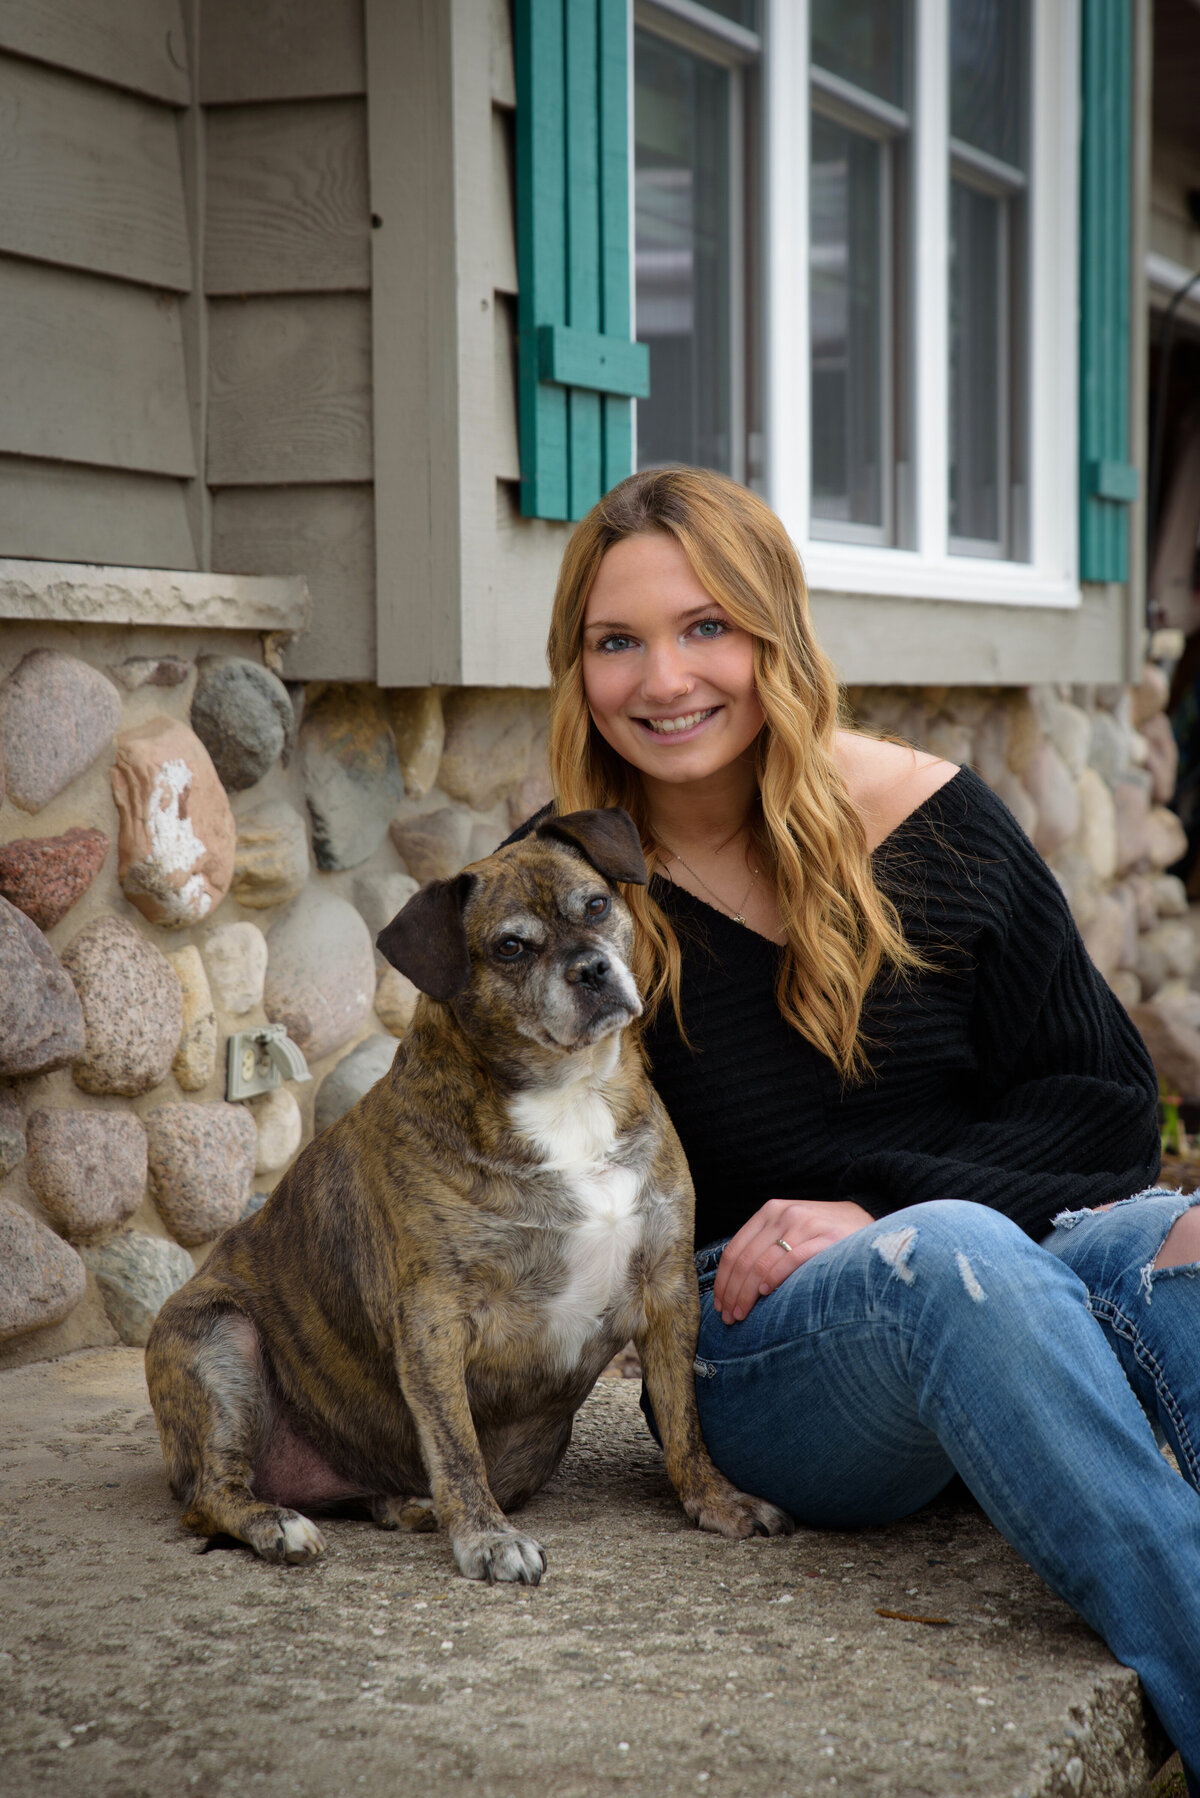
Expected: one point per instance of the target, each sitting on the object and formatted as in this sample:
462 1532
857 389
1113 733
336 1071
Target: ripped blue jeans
942 1339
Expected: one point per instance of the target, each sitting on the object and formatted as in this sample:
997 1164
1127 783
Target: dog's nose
589 970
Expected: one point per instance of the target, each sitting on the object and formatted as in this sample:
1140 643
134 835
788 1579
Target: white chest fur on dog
575 1135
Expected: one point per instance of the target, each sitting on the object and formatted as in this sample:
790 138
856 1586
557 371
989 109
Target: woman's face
669 677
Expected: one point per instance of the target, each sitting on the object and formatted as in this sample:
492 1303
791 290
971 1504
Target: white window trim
929 570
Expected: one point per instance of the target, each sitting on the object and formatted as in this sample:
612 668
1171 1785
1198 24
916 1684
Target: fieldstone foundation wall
189 848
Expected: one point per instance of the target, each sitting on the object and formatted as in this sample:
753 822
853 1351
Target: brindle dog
430 1293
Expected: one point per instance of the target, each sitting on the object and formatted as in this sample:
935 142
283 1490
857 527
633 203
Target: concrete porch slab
651 1660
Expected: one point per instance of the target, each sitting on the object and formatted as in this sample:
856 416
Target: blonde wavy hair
840 929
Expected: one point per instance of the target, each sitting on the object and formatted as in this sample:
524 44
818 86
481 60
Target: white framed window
921 294
696 128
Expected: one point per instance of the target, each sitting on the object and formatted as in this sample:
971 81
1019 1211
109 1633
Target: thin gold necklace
738 916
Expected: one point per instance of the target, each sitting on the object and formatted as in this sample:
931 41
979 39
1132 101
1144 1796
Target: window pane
682 254
986 45
846 262
977 342
863 42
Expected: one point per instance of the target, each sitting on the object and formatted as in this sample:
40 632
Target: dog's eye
509 948
597 907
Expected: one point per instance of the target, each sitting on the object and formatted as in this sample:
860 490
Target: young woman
913 1111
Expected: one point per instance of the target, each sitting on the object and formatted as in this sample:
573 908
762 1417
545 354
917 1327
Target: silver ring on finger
781 1244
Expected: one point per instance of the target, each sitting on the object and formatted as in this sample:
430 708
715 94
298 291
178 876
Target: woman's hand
755 1261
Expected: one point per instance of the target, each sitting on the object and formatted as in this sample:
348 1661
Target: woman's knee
1181 1248
962 1248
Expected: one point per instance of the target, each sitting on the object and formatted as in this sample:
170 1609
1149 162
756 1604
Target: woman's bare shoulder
887 781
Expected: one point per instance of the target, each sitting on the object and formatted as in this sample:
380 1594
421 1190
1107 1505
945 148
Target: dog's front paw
737 1515
285 1536
495 1555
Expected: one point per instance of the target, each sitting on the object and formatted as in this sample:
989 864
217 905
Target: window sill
844 568
86 593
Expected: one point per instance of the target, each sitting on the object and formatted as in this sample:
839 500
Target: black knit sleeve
1069 1114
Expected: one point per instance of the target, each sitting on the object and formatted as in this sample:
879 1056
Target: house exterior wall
302 362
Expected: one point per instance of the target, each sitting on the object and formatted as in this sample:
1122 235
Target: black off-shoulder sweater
1009 1074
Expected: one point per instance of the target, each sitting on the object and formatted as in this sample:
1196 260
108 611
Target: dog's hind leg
416 1515
210 1398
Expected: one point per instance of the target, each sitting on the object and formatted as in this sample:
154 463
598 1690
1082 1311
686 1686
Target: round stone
320 981
436 845
42 1279
352 778
195 1060
354 1075
88 1168
45 876
489 736
137 1274
236 958
152 671
243 716
132 1008
12 1136
378 897
420 732
280 1129
1097 835
41 1020
176 846
1150 695
1131 805
1104 937
395 1000
201 1165
1049 784
57 714
1166 838
271 864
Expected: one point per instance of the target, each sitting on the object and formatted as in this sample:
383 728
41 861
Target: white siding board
288 209
63 512
326 534
281 49
290 390
91 371
91 178
136 44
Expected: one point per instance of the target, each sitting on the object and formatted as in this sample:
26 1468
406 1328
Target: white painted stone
236 958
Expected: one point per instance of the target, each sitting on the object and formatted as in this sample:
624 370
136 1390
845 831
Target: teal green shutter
577 367
1107 480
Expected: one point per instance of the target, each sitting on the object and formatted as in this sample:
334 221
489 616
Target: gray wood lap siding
185 311
96 446
258 310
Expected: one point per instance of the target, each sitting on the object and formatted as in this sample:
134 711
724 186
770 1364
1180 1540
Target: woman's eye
613 645
597 907
711 627
509 947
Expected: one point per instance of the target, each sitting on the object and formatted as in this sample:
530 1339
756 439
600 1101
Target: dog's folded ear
427 939
609 838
